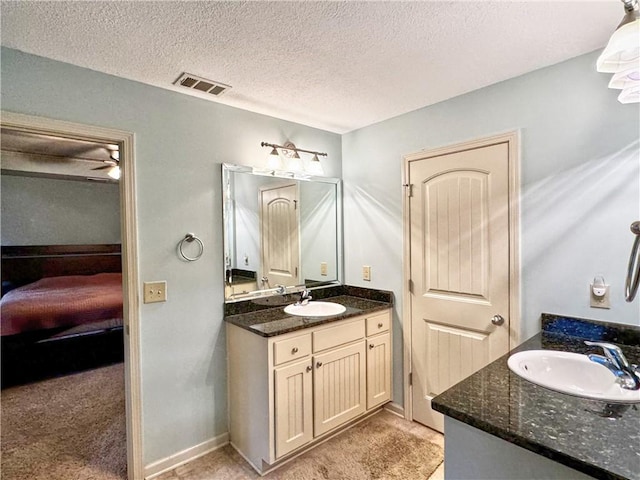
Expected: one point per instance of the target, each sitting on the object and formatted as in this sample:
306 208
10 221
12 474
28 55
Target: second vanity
500 426
294 381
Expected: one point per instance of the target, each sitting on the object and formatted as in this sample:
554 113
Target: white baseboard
164 465
395 408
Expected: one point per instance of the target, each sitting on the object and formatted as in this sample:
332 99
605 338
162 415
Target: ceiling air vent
194 82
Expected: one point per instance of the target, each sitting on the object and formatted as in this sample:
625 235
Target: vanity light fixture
622 55
289 152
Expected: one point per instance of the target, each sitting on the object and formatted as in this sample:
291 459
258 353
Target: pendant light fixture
290 153
622 55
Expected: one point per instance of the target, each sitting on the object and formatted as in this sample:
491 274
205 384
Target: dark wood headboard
26 264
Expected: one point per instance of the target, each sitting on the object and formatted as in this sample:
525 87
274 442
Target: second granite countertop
598 438
270 322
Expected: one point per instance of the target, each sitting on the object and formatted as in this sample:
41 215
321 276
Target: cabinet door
293 414
339 386
378 370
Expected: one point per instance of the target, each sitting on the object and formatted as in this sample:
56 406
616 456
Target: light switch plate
366 273
155 292
323 268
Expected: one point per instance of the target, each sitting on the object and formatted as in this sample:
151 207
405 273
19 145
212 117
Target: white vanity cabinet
290 390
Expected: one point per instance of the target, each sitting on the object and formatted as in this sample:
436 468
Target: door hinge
410 285
409 189
126 328
411 379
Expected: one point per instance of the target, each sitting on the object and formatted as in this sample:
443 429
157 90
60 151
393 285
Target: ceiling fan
113 164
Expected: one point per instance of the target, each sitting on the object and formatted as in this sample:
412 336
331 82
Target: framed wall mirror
281 229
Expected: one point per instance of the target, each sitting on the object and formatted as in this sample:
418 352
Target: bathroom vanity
501 426
294 381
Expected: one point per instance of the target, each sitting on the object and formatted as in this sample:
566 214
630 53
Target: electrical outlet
601 301
155 292
366 273
323 268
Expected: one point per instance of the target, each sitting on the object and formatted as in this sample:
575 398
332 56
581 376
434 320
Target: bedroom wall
47 211
580 188
180 142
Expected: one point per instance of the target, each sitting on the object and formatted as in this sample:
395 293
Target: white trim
60 128
512 138
174 461
395 408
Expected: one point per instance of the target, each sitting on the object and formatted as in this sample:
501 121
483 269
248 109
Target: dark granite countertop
266 317
598 438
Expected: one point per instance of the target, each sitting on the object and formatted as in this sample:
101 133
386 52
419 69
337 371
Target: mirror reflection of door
280 239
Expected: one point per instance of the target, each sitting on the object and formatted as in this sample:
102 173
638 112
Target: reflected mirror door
279 227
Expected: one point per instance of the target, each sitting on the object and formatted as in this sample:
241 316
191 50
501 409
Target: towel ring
189 238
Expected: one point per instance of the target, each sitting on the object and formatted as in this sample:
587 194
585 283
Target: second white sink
570 373
315 309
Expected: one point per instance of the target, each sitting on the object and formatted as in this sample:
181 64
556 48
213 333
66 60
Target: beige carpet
383 447
65 428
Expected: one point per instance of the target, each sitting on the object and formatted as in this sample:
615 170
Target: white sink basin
570 373
315 309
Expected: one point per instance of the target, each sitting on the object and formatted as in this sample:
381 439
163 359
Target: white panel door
459 234
339 386
293 414
280 235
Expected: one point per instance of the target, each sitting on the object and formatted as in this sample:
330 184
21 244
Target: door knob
497 320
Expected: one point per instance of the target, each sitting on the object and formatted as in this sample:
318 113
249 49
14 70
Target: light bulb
274 161
114 172
315 167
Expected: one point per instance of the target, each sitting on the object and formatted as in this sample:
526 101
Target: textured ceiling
332 65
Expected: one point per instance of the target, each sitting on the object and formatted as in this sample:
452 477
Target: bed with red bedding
66 301
61 310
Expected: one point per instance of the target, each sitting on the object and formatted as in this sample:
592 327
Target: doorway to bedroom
67 390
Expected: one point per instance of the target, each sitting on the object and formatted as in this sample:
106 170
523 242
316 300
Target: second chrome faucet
616 362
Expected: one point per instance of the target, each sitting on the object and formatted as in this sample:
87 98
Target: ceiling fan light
623 49
114 172
630 94
625 78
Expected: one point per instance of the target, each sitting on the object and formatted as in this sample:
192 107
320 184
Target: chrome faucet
280 289
616 362
305 296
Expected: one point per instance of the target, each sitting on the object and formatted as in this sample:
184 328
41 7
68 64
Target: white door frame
512 139
47 126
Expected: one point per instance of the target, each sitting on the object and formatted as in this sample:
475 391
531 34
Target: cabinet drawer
340 335
378 323
292 348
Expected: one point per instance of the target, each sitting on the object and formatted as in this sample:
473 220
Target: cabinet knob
294 350
380 325
309 368
318 364
371 346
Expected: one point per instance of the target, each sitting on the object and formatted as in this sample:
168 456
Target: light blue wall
580 183
47 211
180 143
